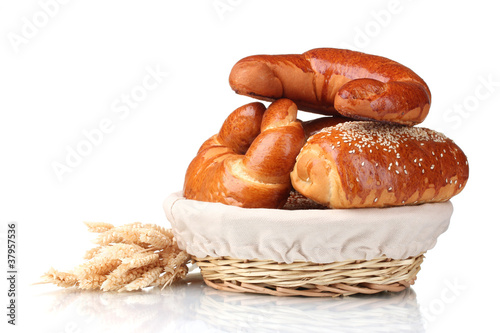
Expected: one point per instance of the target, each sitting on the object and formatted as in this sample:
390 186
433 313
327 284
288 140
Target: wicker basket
293 253
309 279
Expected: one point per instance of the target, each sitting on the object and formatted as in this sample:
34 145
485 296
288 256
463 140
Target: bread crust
336 81
370 164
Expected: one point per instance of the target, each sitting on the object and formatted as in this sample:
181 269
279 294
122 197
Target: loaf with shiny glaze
248 163
371 164
332 81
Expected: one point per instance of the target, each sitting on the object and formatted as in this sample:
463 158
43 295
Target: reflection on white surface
192 306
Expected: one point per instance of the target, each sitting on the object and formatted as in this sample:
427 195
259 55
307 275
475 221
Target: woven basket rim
310 279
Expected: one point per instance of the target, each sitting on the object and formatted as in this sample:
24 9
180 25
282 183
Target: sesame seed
370 137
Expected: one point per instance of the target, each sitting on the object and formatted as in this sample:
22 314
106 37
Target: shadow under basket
310 279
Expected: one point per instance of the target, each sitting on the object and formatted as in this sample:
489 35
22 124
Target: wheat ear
129 257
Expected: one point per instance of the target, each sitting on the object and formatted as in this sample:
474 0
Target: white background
66 67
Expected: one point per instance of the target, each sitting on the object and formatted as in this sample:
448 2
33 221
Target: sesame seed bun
372 164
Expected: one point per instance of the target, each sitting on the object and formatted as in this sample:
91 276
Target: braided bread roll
370 164
332 81
248 163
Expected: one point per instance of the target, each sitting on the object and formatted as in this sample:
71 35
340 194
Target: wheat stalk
129 257
98 226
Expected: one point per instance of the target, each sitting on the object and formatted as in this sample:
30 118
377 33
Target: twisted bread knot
248 163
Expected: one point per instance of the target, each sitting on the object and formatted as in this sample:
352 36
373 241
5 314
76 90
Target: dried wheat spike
98 226
181 258
171 276
155 238
60 279
96 266
91 282
166 232
92 252
109 236
139 260
145 280
133 234
129 257
116 279
120 251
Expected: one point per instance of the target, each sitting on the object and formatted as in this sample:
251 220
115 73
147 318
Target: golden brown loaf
332 81
248 163
370 164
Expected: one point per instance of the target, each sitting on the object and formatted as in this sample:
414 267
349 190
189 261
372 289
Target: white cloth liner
320 236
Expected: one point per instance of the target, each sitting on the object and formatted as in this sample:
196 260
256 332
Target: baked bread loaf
248 163
332 81
371 164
